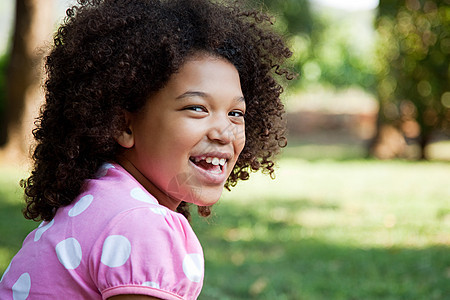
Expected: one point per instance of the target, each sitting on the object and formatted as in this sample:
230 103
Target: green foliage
296 15
3 66
414 63
341 49
4 59
326 44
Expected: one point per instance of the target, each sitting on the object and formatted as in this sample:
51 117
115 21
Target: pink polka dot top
113 239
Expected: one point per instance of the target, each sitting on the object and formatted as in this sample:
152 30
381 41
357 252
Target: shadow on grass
252 253
252 256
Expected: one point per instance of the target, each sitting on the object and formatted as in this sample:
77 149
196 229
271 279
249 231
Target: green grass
332 230
323 229
13 226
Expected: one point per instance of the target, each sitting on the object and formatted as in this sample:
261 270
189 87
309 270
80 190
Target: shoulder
151 224
115 204
146 248
149 251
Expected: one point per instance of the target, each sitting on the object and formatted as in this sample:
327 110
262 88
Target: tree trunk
389 142
424 140
33 26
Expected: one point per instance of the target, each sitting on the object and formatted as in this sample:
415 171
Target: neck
162 197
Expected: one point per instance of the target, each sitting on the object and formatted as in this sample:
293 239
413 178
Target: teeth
215 161
211 160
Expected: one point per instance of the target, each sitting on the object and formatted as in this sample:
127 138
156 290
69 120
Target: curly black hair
110 55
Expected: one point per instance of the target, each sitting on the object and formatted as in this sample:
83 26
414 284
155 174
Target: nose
222 131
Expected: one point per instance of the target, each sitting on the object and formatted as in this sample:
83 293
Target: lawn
323 229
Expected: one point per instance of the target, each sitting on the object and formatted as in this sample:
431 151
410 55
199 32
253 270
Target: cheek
239 141
186 132
177 141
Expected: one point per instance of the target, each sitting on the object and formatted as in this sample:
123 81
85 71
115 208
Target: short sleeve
150 251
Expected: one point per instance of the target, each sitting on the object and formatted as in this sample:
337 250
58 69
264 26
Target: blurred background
360 206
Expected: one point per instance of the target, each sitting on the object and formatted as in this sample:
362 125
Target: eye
236 113
196 108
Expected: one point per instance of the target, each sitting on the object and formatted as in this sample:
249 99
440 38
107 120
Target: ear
126 137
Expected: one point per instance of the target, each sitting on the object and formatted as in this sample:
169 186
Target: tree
295 18
331 46
33 25
414 85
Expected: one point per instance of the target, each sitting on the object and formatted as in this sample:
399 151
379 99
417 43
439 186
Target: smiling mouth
211 164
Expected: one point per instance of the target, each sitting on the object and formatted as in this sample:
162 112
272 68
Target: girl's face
184 143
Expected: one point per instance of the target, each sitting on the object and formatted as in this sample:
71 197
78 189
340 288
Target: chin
205 197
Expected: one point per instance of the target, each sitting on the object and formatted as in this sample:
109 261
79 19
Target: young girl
150 105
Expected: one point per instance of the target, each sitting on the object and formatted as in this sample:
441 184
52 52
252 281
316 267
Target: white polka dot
6 271
81 205
151 284
193 267
22 287
159 210
69 253
41 229
116 251
139 194
103 170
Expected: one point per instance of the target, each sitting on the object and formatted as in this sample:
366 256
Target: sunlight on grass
9 184
332 230
364 203
439 151
13 226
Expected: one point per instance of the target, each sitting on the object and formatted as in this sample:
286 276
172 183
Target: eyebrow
189 94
